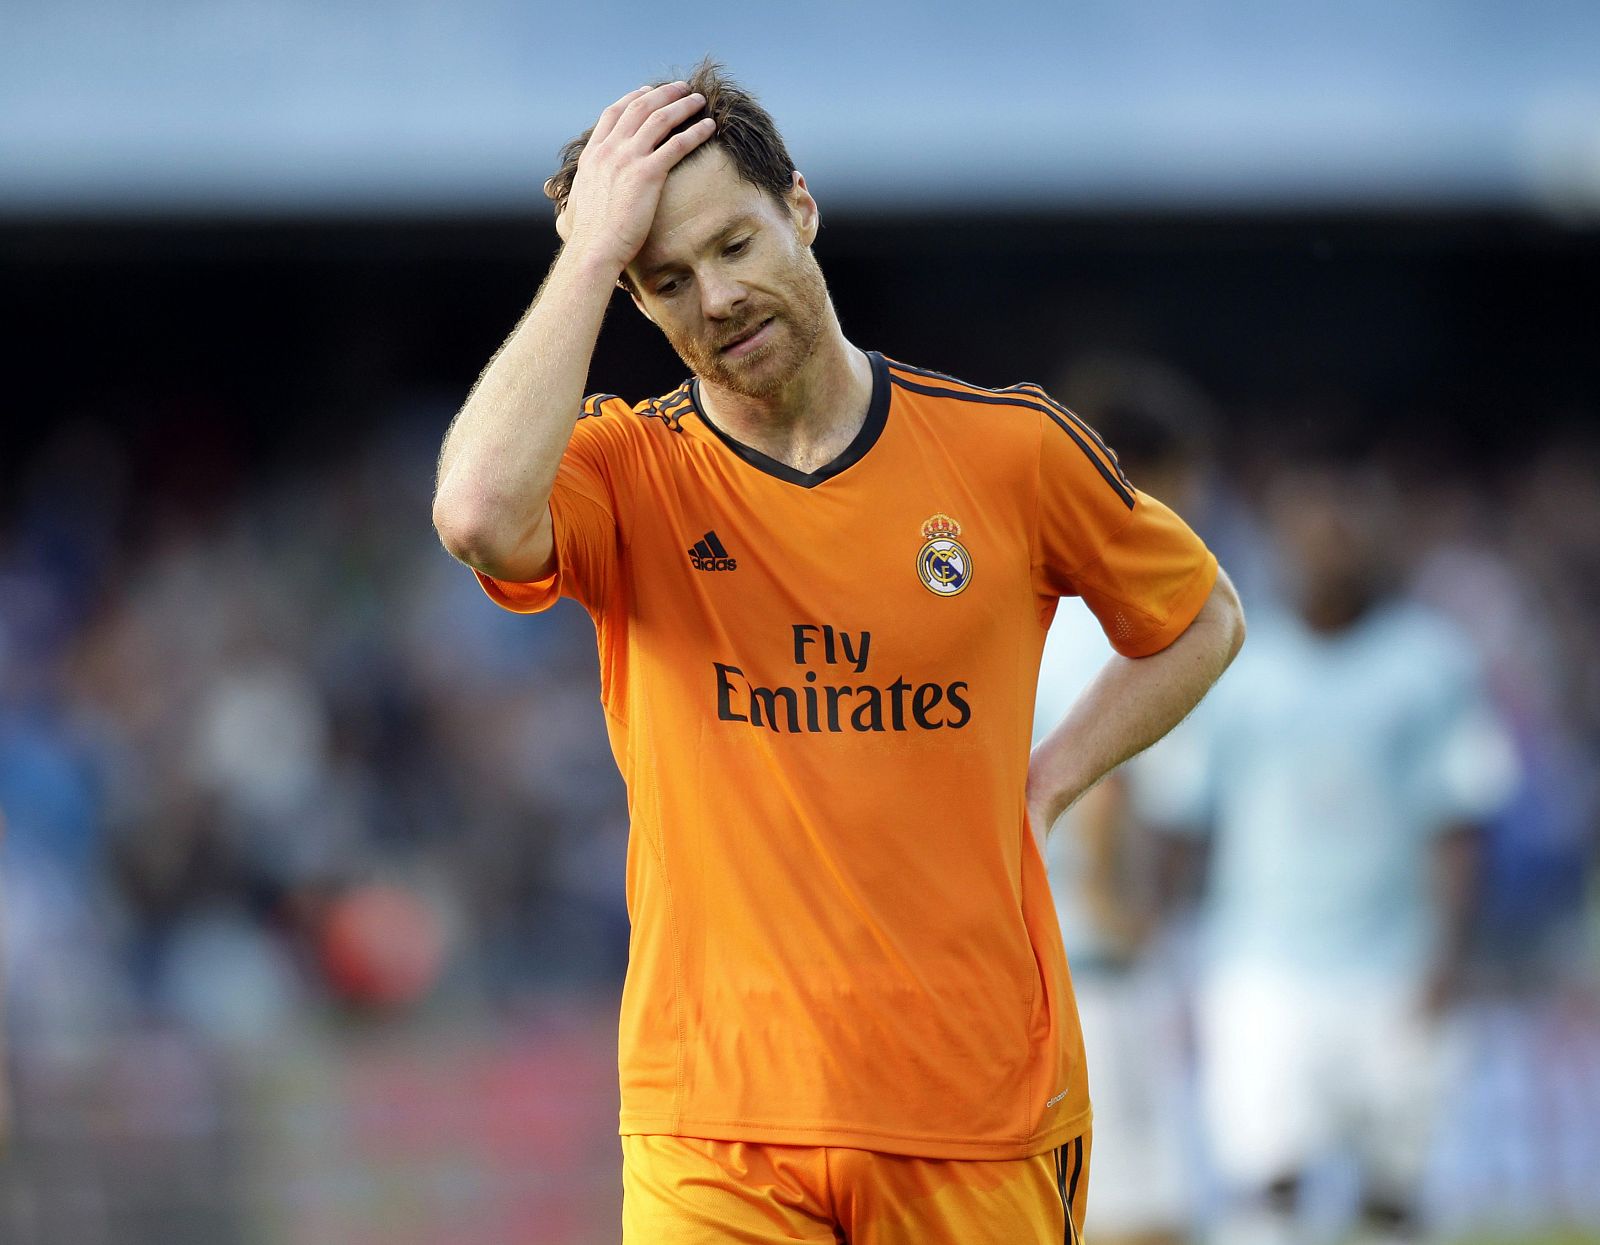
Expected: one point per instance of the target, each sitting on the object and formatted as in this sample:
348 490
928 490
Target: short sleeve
584 509
1136 564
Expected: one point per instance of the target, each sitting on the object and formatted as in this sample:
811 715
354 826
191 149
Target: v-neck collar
865 439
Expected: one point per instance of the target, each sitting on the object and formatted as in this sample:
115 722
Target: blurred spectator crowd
268 750
227 710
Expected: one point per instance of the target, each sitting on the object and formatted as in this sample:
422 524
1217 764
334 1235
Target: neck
813 417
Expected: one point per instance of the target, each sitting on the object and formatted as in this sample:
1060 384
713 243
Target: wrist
590 263
1047 803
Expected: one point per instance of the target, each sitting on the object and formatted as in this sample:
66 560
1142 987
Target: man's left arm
1467 772
1130 704
1457 863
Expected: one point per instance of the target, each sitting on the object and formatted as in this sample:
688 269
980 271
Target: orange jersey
819 688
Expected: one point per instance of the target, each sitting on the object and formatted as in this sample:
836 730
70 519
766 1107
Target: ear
803 209
637 302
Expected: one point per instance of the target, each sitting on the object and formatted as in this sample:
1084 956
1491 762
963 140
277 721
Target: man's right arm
491 503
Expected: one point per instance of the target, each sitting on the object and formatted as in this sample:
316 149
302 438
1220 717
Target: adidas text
708 554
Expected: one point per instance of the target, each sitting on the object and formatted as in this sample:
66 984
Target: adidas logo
707 554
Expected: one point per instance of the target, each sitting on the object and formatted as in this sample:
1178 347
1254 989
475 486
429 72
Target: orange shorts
684 1191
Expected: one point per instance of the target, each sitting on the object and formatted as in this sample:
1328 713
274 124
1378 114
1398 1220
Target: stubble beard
767 370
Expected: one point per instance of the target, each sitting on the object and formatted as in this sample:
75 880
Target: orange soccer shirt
819 688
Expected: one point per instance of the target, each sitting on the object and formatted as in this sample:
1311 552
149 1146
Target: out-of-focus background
312 859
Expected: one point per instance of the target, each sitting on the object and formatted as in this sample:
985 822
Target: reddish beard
798 317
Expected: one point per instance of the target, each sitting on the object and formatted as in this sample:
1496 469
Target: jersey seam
680 1092
1081 1117
576 489
1100 549
563 571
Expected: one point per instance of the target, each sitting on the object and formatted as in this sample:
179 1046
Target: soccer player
1342 772
820 581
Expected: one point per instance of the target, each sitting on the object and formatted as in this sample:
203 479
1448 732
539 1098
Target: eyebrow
741 222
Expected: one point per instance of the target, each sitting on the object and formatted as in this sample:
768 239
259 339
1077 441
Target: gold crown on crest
941 527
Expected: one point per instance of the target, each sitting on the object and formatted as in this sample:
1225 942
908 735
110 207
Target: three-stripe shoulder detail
593 405
669 408
1029 396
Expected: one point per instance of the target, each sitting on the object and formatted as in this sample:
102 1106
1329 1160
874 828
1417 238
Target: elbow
501 547
1236 638
465 537
1233 620
468 534
1221 621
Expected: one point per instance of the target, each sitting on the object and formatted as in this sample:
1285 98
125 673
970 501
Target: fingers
608 119
663 120
680 145
642 106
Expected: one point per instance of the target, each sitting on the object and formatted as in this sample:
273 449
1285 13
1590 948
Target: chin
761 375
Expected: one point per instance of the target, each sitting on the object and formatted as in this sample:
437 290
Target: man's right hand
500 457
623 168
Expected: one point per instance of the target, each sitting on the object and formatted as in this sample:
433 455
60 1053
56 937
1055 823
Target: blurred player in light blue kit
1341 770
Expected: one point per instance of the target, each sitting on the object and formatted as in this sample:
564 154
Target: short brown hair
745 131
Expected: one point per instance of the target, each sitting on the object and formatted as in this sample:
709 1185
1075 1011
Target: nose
720 295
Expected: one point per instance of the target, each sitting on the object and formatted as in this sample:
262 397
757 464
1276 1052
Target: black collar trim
871 430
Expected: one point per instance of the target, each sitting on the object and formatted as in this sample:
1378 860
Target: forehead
703 195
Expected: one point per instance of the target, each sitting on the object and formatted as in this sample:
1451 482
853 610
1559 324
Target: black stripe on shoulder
1035 390
593 403
1078 420
930 373
1027 402
669 408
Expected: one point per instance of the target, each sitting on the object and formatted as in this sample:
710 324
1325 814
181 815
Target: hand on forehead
611 177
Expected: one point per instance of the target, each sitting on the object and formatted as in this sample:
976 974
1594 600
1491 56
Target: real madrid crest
943 564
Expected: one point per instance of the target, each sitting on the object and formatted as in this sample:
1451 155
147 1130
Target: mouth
748 340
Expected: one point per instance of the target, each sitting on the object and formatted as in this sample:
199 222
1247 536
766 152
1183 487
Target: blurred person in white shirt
1342 772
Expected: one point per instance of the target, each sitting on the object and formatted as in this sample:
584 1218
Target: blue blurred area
243 713
287 105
